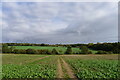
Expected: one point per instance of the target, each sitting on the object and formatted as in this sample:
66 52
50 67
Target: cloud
59 22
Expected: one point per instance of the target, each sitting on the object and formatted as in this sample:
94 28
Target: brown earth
37 59
69 70
60 71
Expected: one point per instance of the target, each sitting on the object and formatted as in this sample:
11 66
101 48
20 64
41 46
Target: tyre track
69 71
60 71
27 62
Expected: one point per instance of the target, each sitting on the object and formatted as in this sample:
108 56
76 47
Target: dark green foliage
54 51
112 47
31 51
19 51
84 50
102 52
69 50
108 47
6 49
90 52
45 51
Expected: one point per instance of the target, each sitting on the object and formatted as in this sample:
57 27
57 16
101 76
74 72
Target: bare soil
37 59
60 71
68 69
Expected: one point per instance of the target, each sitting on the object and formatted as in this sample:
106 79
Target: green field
59 49
28 66
94 67
46 66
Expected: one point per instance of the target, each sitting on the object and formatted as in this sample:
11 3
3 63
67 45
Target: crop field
94 67
60 66
30 68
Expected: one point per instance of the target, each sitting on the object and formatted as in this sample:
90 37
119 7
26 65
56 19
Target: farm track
64 69
60 71
68 69
37 59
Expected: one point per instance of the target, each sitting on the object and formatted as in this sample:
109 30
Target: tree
69 50
17 51
31 51
84 50
102 52
5 48
54 51
11 48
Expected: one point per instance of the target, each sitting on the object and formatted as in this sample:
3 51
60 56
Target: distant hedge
102 48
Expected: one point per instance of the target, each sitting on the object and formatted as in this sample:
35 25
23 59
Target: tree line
102 48
11 49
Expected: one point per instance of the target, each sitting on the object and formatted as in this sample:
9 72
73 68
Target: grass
59 49
50 48
19 58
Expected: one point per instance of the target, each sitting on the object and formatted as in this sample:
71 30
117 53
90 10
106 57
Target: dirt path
69 71
36 59
60 71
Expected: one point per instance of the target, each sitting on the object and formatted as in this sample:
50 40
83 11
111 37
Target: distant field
59 49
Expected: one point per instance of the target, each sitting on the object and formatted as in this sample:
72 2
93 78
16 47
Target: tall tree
84 50
69 50
54 51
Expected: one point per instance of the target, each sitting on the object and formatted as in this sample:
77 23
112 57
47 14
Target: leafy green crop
28 71
43 68
94 68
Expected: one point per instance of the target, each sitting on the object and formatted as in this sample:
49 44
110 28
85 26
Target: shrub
31 51
45 51
102 52
5 48
84 50
54 51
69 50
89 52
19 51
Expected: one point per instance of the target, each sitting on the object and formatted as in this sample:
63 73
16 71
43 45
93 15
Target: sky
59 22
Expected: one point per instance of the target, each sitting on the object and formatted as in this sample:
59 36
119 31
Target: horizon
64 43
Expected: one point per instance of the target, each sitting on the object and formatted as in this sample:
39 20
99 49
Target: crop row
94 68
37 69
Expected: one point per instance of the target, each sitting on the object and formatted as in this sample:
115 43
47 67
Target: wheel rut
65 69
36 59
60 71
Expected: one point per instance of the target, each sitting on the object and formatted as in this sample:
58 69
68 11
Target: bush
19 51
45 51
54 51
89 52
6 49
69 50
84 50
102 52
31 51
111 53
16 51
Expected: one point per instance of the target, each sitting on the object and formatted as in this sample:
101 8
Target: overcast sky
60 22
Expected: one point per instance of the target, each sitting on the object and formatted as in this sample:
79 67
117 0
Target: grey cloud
60 22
